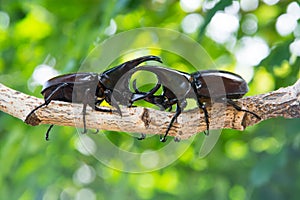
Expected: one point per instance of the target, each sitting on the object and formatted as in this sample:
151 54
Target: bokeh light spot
42 73
85 193
294 9
237 192
112 28
146 181
84 175
249 25
236 150
249 5
270 2
295 47
233 9
222 27
190 5
191 23
268 144
263 81
4 20
251 50
35 26
286 24
149 159
85 145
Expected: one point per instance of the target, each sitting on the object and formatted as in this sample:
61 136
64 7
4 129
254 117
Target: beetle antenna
47 100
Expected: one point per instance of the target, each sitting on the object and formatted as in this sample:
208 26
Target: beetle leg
230 102
203 107
48 131
83 117
158 100
109 98
88 98
177 113
118 110
38 107
47 100
142 95
113 102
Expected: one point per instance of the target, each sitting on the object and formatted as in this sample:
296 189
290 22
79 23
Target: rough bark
284 102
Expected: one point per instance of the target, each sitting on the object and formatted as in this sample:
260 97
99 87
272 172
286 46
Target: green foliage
261 162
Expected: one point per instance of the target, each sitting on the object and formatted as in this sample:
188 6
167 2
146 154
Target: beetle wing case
218 83
73 86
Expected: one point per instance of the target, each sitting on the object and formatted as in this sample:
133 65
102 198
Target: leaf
278 54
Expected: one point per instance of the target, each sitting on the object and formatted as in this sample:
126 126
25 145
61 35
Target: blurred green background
258 39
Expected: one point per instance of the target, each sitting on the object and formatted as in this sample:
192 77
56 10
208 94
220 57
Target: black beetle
221 86
90 88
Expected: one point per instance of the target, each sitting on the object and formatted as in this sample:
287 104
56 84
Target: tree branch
284 102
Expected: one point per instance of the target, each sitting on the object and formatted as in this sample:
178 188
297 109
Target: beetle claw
142 137
118 110
206 133
163 138
84 131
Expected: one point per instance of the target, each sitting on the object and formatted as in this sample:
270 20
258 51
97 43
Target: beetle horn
142 95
